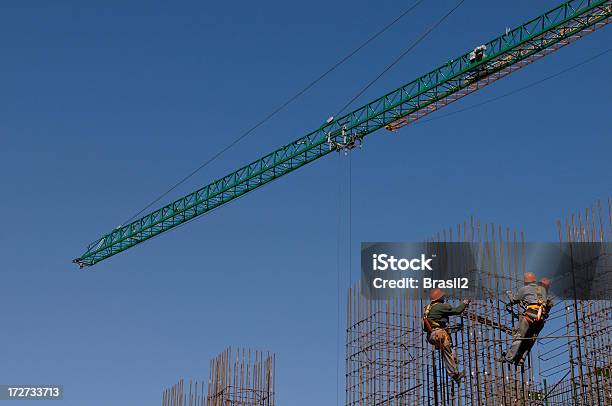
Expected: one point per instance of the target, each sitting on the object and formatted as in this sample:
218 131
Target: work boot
458 376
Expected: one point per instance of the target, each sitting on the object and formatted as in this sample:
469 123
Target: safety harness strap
430 325
537 307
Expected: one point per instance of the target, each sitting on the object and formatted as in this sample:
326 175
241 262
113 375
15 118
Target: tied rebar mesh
588 323
237 377
389 361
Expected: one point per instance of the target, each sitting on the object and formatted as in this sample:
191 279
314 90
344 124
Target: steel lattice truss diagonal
450 82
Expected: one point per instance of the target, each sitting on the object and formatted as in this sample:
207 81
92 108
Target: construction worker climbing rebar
536 304
435 324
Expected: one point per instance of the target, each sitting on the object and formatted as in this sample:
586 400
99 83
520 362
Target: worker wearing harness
534 298
536 327
435 324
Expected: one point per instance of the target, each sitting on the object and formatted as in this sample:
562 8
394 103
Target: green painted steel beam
453 80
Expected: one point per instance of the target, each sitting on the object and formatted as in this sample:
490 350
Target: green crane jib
458 77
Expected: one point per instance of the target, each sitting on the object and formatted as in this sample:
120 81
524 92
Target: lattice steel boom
453 80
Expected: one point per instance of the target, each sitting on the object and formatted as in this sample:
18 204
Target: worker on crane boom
478 54
435 324
536 303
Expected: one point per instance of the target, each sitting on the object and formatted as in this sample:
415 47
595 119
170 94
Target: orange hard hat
436 294
545 282
530 277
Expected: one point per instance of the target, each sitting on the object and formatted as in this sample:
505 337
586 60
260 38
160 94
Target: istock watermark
577 270
382 262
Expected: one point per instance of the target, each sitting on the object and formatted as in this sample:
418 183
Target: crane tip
80 263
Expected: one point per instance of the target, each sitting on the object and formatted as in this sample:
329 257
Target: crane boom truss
453 80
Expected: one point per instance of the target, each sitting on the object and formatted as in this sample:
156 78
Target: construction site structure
238 377
588 348
389 361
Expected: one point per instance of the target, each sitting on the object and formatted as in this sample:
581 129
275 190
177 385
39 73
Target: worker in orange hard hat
536 304
435 324
436 295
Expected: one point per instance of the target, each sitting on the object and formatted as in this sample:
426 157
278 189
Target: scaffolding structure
237 377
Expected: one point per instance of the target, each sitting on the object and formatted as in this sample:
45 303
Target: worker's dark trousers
442 341
534 331
522 331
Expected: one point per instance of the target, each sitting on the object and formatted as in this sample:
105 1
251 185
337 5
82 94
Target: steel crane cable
277 110
338 279
349 263
399 58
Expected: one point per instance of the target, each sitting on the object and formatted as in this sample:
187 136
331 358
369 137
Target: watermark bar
577 270
31 392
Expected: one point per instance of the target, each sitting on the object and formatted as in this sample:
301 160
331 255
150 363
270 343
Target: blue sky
104 106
